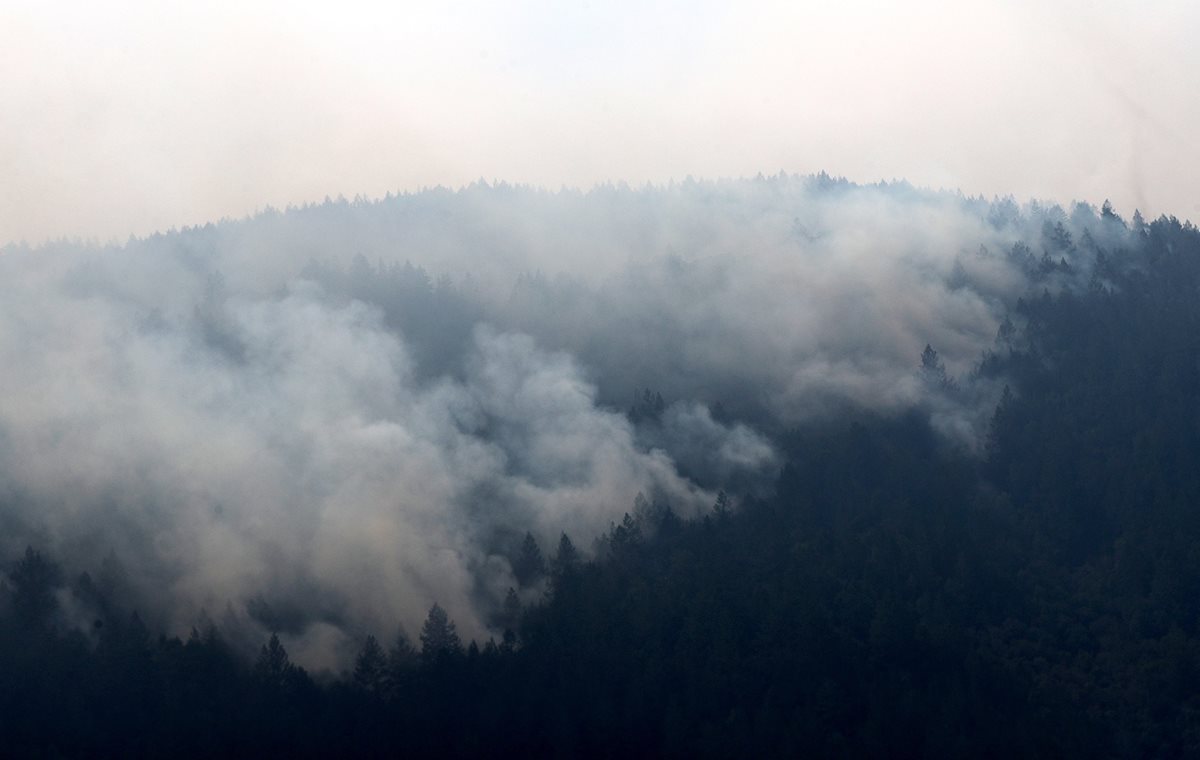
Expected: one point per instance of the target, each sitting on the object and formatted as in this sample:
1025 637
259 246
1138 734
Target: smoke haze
131 116
323 420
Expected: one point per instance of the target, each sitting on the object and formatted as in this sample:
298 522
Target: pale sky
130 116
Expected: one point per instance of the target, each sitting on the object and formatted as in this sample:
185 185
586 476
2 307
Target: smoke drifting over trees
321 421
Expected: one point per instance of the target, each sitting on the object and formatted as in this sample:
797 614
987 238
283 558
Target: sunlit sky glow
131 116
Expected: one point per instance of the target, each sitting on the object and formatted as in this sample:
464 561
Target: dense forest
1000 558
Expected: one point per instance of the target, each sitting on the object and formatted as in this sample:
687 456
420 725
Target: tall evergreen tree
34 579
370 667
273 666
529 567
439 636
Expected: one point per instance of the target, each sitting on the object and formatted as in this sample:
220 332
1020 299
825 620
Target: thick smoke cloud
324 420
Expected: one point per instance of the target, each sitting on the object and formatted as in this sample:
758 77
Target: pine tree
934 371
529 566
511 614
34 580
721 507
402 662
439 636
565 566
402 655
370 668
273 667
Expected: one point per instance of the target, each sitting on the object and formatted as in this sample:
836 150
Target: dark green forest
894 594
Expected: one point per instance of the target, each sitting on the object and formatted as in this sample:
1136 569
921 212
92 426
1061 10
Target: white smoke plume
324 420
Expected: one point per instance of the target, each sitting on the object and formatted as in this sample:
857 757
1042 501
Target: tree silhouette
371 667
439 636
402 655
567 558
529 566
273 666
721 507
34 580
934 370
511 611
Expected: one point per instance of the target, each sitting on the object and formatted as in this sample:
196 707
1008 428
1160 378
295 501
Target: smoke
324 420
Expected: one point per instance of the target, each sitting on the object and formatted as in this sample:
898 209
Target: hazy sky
133 115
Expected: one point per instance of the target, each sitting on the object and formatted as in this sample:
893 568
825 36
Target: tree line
896 595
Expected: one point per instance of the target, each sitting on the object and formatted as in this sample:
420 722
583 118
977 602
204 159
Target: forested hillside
988 548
